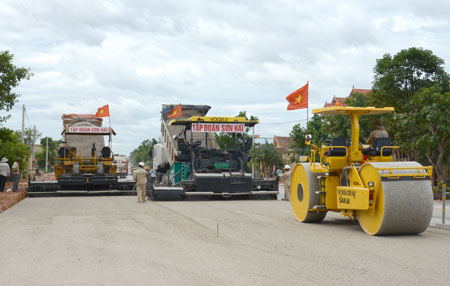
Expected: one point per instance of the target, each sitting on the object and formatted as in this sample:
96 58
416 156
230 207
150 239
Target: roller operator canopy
348 110
207 119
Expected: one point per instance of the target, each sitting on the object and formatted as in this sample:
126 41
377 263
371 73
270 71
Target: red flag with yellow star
175 112
298 99
103 111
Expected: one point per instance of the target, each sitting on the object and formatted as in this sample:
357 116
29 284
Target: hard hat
287 167
141 164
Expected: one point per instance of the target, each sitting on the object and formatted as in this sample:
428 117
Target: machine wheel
401 206
304 185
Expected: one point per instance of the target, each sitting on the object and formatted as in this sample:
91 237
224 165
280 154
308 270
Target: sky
232 55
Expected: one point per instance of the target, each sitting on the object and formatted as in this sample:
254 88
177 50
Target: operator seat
379 143
337 141
106 152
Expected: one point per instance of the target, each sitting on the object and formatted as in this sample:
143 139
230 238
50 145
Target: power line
283 122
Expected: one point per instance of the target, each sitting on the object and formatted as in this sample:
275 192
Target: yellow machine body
386 197
87 165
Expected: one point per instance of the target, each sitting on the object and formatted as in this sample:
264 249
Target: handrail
168 144
173 177
390 147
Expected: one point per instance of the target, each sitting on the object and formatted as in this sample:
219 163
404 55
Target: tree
52 150
415 83
433 146
141 153
30 136
226 140
398 78
266 156
11 148
319 133
10 77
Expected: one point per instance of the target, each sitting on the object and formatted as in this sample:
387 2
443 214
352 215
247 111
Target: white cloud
233 55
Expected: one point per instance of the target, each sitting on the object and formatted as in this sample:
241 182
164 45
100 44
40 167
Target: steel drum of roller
304 186
403 205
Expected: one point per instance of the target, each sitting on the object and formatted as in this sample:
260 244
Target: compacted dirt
8 198
116 241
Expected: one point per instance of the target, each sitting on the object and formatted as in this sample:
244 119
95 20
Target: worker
4 173
16 174
65 149
140 176
286 179
93 150
378 132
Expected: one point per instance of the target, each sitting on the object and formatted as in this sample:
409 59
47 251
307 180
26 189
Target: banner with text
88 129
218 127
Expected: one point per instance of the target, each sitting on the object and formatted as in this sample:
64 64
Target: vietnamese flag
298 99
175 112
103 111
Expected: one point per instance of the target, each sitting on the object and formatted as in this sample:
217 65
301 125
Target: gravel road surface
115 241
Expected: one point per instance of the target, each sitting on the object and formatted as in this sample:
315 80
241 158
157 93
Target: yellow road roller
386 197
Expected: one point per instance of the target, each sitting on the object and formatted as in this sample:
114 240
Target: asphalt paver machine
197 166
76 172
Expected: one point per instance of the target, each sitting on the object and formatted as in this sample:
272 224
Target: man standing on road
16 173
140 176
4 173
286 179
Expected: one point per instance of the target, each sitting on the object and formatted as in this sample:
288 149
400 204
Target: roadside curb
441 226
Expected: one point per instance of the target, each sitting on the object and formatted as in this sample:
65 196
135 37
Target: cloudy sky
232 55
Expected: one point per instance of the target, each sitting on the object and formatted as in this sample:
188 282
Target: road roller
364 184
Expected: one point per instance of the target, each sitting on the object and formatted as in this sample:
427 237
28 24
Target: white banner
88 129
218 127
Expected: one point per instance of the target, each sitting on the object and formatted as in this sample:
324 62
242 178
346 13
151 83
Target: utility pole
34 145
46 155
23 123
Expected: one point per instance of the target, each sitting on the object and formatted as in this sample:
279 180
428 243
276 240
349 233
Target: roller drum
304 185
402 206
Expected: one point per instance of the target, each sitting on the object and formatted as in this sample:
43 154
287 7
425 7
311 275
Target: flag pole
307 107
110 129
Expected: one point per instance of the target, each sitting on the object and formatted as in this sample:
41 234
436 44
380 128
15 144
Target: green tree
226 140
316 128
10 77
433 146
30 136
398 78
415 83
266 157
11 148
52 150
141 153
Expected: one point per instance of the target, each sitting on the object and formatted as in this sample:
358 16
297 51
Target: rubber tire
304 185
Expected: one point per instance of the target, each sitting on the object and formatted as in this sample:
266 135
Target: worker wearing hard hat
140 176
286 179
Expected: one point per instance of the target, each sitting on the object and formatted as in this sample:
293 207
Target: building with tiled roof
282 144
335 101
340 100
358 90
